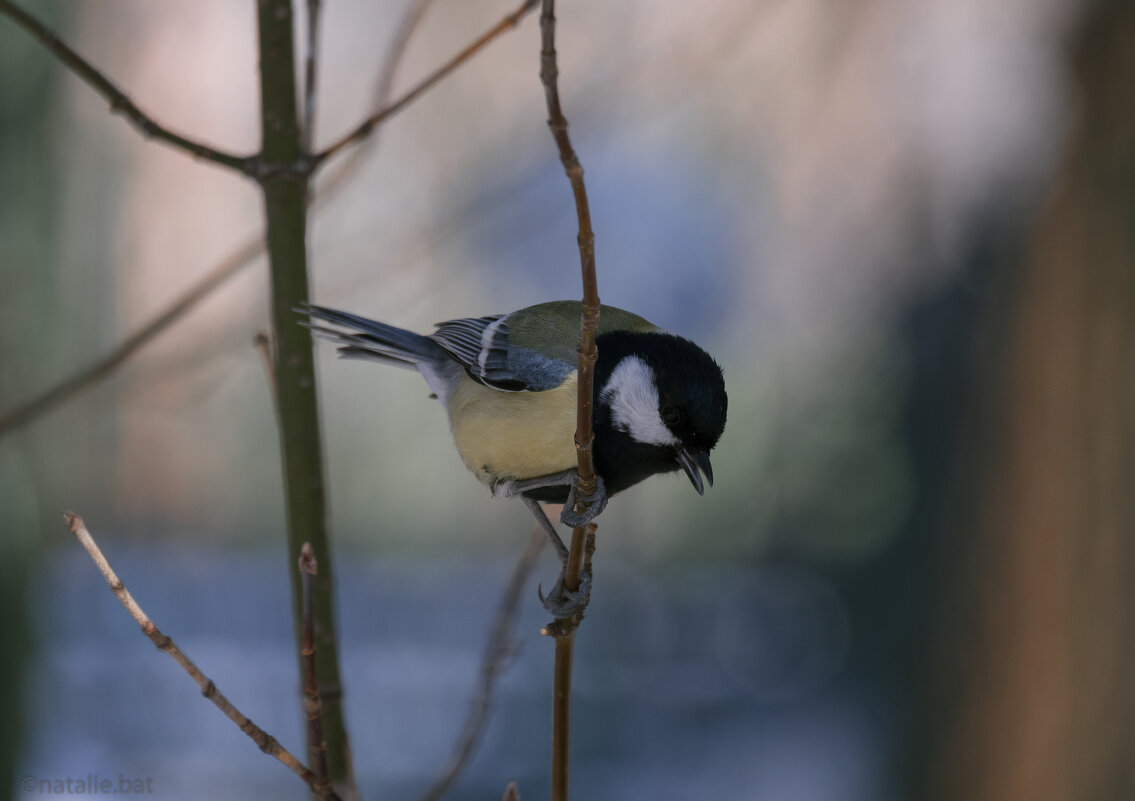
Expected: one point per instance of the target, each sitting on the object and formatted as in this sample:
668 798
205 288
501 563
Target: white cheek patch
633 399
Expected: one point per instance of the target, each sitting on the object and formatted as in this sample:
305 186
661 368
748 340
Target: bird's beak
692 459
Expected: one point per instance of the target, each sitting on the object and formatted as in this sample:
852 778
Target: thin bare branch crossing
364 128
120 103
311 63
264 741
92 374
496 656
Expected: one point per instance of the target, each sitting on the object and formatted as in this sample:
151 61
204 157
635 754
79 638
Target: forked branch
119 102
363 129
101 369
266 742
498 650
91 374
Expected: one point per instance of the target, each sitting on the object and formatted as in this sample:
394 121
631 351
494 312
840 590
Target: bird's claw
563 603
593 503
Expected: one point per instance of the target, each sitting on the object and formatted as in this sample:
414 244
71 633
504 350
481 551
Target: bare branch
589 321
561 715
99 370
119 102
363 129
579 555
498 650
589 318
411 18
313 706
301 447
263 344
307 132
266 742
92 374
384 87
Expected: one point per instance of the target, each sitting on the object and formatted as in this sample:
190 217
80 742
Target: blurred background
904 229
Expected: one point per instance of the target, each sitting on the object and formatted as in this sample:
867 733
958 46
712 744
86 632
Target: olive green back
552 329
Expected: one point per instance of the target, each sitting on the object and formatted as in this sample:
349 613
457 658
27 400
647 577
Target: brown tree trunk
1035 698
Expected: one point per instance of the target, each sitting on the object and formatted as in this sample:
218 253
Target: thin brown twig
366 126
92 374
119 102
311 61
561 715
498 651
384 88
579 554
263 344
97 371
313 706
589 320
241 257
589 317
266 742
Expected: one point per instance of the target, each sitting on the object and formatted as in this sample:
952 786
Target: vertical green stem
285 201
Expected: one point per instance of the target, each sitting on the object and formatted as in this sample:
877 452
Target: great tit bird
509 384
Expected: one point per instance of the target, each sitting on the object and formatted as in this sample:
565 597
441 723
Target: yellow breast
514 435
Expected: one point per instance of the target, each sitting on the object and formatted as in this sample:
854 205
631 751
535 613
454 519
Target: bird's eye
670 415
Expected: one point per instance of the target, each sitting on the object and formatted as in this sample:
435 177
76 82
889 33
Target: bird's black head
660 406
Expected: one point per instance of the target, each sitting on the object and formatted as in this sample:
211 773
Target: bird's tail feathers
370 339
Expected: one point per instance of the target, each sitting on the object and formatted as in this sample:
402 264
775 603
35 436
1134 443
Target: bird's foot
563 603
593 503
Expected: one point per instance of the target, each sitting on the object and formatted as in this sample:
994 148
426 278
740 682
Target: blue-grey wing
481 345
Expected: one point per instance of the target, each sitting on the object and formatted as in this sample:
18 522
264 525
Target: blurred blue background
831 200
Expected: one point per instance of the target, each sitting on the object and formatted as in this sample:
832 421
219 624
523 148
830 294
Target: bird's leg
593 503
516 486
560 602
546 525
